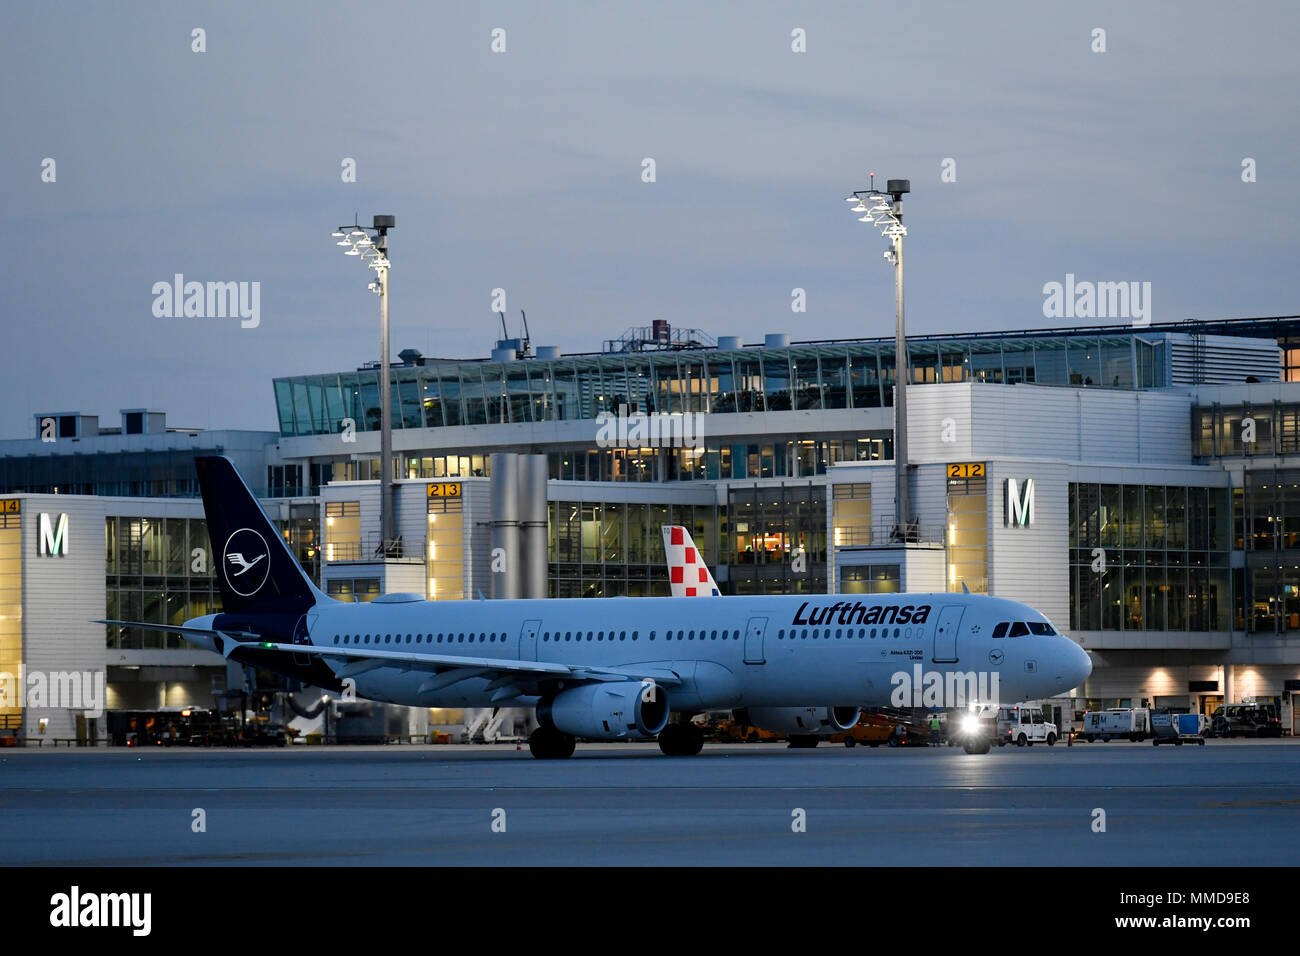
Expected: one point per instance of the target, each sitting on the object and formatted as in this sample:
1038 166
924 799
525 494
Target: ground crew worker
934 730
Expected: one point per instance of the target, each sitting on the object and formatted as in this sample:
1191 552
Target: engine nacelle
804 720
608 711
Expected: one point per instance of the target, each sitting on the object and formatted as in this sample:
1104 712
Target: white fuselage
732 651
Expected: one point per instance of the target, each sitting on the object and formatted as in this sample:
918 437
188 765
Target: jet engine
803 720
608 711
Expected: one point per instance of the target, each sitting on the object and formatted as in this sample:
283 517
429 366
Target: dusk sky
523 170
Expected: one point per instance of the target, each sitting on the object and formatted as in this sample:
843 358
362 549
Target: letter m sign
54 535
1020 503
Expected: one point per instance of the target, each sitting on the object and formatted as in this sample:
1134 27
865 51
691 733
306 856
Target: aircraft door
528 640
754 640
945 634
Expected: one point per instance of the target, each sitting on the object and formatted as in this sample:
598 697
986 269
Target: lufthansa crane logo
245 562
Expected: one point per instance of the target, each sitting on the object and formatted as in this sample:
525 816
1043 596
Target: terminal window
967 534
1148 558
870 579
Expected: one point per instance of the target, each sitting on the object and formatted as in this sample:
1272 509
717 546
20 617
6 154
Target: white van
1120 723
1024 725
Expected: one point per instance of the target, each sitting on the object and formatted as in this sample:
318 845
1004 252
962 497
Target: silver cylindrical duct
506 558
533 520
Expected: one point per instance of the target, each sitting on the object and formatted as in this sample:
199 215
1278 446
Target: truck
1119 723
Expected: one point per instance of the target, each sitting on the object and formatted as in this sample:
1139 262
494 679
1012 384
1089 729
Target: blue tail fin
255 570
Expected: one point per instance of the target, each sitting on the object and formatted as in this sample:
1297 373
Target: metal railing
881 536
369 548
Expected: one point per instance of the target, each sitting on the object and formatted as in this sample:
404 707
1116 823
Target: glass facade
1266 519
1220 431
776 538
851 514
132 474
968 534
851 374
157 570
608 549
11 615
870 579
353 590
343 531
446 549
1149 558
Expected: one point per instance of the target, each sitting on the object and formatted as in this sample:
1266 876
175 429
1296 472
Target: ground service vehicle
1024 726
976 730
1246 720
1176 729
1119 723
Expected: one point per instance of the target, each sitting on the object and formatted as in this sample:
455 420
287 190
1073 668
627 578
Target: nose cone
1077 664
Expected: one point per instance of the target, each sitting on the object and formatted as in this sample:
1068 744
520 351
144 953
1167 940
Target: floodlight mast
884 210
374 253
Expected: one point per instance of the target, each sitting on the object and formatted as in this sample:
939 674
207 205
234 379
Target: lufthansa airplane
611 668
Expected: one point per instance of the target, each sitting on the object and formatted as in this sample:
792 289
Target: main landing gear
681 740
547 743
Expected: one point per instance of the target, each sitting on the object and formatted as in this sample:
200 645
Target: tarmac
1226 803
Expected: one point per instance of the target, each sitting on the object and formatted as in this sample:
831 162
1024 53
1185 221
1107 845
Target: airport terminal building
1138 485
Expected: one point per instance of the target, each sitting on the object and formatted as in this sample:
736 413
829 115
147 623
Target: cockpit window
1019 629
1036 627
1001 629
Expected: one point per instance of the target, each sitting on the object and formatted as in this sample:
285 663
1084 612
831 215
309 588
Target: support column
506 556
533 523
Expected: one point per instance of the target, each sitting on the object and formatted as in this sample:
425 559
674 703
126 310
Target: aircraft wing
178 629
445 669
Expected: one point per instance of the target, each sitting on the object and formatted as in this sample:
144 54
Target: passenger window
1019 629
1000 630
